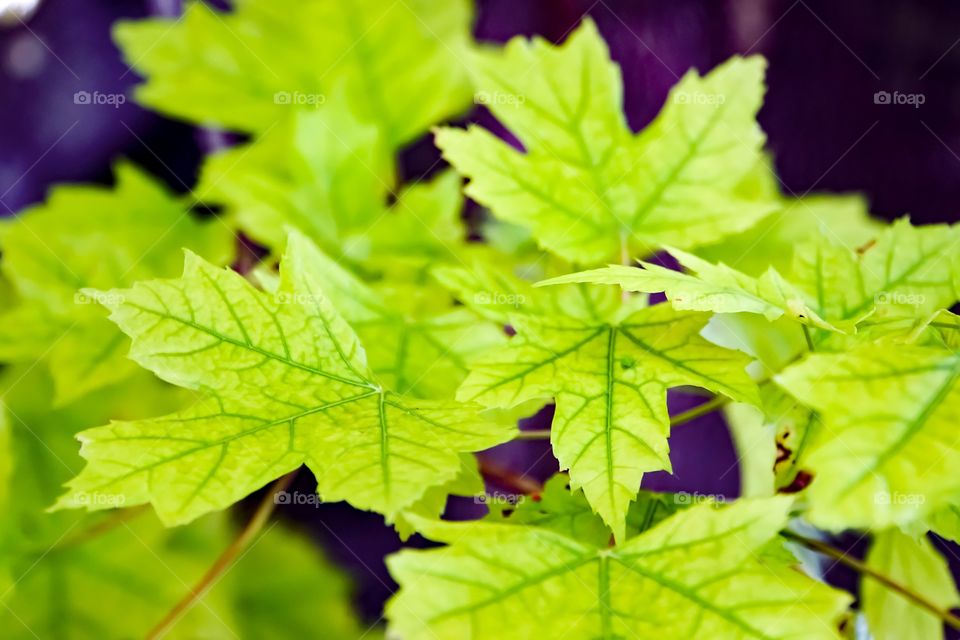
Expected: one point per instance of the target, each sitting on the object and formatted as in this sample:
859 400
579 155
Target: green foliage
281 374
916 564
586 186
388 349
699 572
608 375
887 452
249 69
74 575
92 237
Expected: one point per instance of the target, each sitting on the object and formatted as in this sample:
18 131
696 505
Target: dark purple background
827 60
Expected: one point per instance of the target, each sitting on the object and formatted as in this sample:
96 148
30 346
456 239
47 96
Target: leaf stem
808 337
103 527
626 261
518 482
886 581
700 410
225 560
681 418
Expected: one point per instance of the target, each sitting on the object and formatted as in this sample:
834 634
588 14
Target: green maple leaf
585 185
695 574
945 523
915 564
608 375
329 175
77 575
496 293
286 383
86 236
907 271
709 287
249 69
772 242
887 450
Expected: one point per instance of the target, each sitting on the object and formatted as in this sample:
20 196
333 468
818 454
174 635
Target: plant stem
681 418
808 337
225 560
533 434
888 582
515 481
700 410
103 527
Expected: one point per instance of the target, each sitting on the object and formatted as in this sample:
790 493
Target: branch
225 560
862 568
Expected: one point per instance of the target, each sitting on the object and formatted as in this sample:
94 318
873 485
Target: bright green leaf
609 380
86 236
916 565
887 452
697 574
399 63
286 383
585 185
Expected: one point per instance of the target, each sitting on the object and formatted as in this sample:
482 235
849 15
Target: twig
223 563
860 567
516 481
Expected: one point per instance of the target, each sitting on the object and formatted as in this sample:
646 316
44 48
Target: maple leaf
397 63
915 564
608 375
887 450
286 383
585 185
695 574
90 236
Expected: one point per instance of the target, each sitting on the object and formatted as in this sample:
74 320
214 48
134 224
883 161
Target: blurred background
835 114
